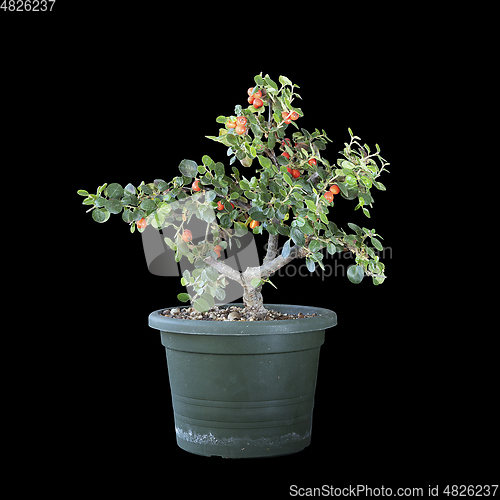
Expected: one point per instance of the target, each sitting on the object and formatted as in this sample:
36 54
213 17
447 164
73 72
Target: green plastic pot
244 388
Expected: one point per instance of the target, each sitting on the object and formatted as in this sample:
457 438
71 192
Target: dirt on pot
232 313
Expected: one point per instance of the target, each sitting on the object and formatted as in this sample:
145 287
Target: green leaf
297 236
312 206
355 274
288 179
130 189
189 168
311 266
264 162
210 196
82 192
284 80
207 161
282 160
286 249
323 218
225 221
113 206
355 228
314 245
148 205
201 305
271 83
256 214
377 244
366 181
307 228
183 297
100 215
240 229
259 81
255 282
114 191
207 297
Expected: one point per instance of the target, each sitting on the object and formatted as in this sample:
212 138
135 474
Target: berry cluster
295 173
255 98
239 125
329 194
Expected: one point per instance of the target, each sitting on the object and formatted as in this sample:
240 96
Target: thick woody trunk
252 296
253 300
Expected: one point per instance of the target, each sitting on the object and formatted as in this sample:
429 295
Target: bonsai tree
290 194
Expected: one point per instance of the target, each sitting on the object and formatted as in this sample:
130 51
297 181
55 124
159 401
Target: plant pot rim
325 319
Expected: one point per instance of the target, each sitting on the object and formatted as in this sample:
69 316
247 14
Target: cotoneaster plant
290 195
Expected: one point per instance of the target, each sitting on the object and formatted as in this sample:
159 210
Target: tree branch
263 272
224 269
272 245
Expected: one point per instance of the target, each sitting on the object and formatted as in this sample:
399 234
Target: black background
103 98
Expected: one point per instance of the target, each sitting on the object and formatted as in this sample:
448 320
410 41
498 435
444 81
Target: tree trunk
252 298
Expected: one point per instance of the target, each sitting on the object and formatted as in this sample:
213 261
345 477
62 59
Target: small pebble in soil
231 313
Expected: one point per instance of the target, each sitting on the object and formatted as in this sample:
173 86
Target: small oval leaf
355 274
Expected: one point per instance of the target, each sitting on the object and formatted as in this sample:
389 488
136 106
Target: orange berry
141 224
329 196
240 129
256 95
230 124
217 250
257 103
335 189
195 186
187 236
241 120
254 224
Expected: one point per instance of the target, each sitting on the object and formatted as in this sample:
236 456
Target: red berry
335 189
141 224
241 120
240 129
256 95
285 154
195 186
257 103
187 236
289 170
294 116
220 205
295 174
312 162
329 196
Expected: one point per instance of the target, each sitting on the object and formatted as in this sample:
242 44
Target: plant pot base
242 443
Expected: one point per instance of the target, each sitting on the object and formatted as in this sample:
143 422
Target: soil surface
232 313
